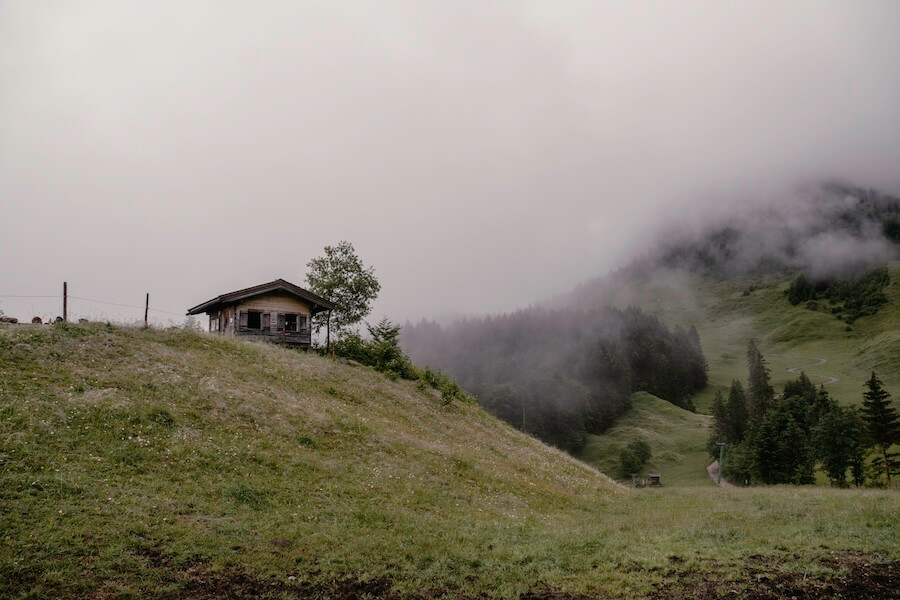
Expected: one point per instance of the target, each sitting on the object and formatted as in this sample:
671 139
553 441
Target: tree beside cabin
278 311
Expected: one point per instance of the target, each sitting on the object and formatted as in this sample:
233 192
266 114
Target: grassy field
170 464
677 438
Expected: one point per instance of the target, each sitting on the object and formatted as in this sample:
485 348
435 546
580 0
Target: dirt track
713 470
819 362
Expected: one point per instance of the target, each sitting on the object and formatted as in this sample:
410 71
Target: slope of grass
677 438
728 313
170 464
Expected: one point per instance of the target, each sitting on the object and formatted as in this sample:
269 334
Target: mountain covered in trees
830 231
560 374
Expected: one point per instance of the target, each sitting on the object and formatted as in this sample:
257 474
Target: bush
384 354
633 457
448 387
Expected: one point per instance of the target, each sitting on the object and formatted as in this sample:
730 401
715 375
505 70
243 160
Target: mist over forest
560 374
827 231
566 367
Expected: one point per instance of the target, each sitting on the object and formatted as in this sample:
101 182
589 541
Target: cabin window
251 319
214 323
290 322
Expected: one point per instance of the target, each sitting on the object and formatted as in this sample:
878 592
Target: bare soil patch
856 576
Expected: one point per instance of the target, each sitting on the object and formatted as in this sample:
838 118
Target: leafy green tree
882 425
839 443
738 467
760 393
340 276
633 457
641 450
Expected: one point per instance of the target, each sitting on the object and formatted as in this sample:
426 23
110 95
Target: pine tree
882 424
760 392
821 406
736 414
780 445
839 443
719 427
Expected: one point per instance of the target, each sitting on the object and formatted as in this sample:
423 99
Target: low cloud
482 156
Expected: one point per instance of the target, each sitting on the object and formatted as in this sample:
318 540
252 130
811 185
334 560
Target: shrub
641 450
633 457
384 354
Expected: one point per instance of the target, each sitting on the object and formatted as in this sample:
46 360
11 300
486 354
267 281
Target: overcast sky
480 155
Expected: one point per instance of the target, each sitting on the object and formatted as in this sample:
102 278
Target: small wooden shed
278 311
653 480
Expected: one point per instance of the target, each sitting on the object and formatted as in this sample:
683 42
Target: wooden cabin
278 311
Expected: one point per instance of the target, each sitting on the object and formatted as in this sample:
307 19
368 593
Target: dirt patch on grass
855 576
237 584
757 578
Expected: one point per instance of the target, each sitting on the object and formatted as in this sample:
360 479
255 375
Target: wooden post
65 301
328 334
146 308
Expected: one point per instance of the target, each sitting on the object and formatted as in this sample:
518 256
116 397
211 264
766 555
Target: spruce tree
882 424
839 443
720 424
736 414
760 392
821 406
780 444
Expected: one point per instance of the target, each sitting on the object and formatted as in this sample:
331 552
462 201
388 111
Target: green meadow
169 464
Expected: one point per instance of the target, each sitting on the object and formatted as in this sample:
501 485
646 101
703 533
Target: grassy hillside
677 438
728 313
170 464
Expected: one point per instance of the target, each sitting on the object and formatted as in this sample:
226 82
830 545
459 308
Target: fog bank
482 156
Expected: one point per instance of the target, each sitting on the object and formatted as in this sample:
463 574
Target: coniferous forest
780 438
560 374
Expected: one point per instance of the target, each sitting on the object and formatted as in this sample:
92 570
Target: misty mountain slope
677 439
171 464
825 231
728 312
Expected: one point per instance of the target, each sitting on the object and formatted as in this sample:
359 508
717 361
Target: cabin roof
319 303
